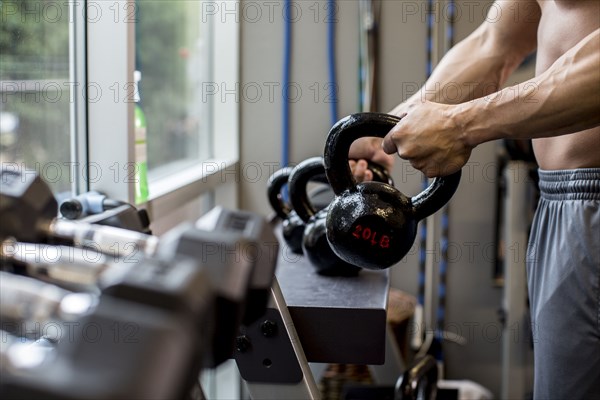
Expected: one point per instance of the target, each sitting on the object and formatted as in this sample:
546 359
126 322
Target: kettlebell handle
438 193
359 125
298 182
340 138
274 186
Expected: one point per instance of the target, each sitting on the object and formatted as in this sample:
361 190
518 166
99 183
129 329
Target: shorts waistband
570 184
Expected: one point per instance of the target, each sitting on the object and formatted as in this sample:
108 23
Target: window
170 43
171 54
66 81
37 60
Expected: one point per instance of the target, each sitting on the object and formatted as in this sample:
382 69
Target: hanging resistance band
331 4
287 62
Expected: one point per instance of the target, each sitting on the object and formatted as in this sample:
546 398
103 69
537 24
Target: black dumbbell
72 268
236 251
86 204
252 242
314 240
96 208
372 224
25 299
228 240
28 211
239 250
155 312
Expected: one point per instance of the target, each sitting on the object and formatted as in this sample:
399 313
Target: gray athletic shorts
563 268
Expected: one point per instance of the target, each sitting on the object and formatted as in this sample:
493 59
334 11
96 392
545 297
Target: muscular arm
564 99
475 67
481 63
438 138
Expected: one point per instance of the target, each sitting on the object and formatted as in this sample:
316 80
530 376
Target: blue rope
361 56
445 209
287 61
285 101
425 182
331 57
443 268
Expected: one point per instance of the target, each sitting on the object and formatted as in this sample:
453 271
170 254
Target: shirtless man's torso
562 25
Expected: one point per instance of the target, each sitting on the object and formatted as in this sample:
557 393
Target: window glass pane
34 76
171 54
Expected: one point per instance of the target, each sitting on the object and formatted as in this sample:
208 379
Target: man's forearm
473 68
564 99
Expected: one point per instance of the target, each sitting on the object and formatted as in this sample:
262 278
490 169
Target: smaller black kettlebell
321 196
314 241
379 173
371 224
292 225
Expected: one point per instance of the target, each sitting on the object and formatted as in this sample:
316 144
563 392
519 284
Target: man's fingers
360 171
388 143
360 168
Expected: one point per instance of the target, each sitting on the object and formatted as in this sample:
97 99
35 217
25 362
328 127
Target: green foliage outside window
166 44
34 73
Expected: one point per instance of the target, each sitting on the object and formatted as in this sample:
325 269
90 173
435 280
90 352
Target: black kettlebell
321 196
379 173
292 225
371 224
314 240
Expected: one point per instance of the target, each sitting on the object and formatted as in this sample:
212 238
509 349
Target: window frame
110 116
78 95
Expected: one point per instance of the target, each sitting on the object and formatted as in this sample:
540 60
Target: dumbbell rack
313 318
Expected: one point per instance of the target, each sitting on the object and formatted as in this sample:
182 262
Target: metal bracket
288 376
264 352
